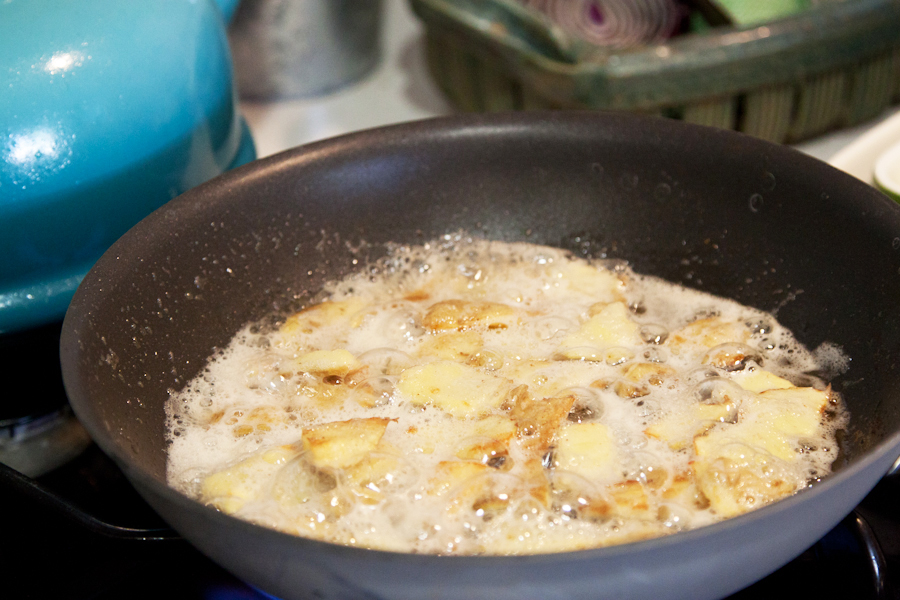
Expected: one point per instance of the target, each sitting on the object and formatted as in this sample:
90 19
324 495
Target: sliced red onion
614 23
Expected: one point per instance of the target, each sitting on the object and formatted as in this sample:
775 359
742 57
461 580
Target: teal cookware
108 109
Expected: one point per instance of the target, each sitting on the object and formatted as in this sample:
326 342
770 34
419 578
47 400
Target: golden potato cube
368 478
797 411
759 435
537 421
723 412
484 451
678 429
336 362
450 474
760 380
587 449
495 427
773 421
737 478
599 283
489 438
550 378
327 313
452 345
534 478
342 444
611 326
709 332
457 389
630 499
683 489
652 373
462 314
233 487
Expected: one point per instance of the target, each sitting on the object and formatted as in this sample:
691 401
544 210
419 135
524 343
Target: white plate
859 157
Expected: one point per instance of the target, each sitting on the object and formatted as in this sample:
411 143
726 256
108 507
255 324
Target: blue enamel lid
110 109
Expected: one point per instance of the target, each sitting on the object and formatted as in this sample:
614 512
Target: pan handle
27 488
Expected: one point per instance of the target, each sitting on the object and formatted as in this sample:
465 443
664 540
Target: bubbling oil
476 397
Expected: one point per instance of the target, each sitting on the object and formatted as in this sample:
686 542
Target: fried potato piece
760 380
327 362
773 421
457 389
708 333
600 284
653 373
489 440
370 480
683 490
463 314
630 500
747 464
610 327
452 345
679 428
342 444
324 314
587 449
534 478
230 489
538 420
794 411
450 474
737 478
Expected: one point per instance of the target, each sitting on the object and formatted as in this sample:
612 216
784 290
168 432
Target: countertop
400 89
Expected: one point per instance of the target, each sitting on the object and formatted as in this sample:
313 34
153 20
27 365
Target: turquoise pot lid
110 109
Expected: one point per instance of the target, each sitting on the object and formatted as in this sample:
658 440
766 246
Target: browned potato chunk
452 345
449 475
538 420
327 362
369 479
737 478
587 449
457 389
462 314
610 327
230 489
342 444
630 499
327 313
489 441
709 332
652 373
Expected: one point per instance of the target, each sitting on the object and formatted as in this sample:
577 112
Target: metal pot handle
27 488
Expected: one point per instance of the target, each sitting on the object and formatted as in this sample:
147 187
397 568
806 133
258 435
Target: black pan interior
711 209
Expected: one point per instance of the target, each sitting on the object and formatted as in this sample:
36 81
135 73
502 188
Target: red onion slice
614 23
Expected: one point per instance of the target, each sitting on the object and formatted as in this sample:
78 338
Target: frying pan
710 209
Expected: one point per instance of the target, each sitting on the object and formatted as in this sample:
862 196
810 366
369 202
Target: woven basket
832 66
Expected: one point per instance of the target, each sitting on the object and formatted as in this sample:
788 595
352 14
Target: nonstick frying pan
710 209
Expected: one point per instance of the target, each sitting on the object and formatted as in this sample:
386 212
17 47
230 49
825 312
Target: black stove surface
49 557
